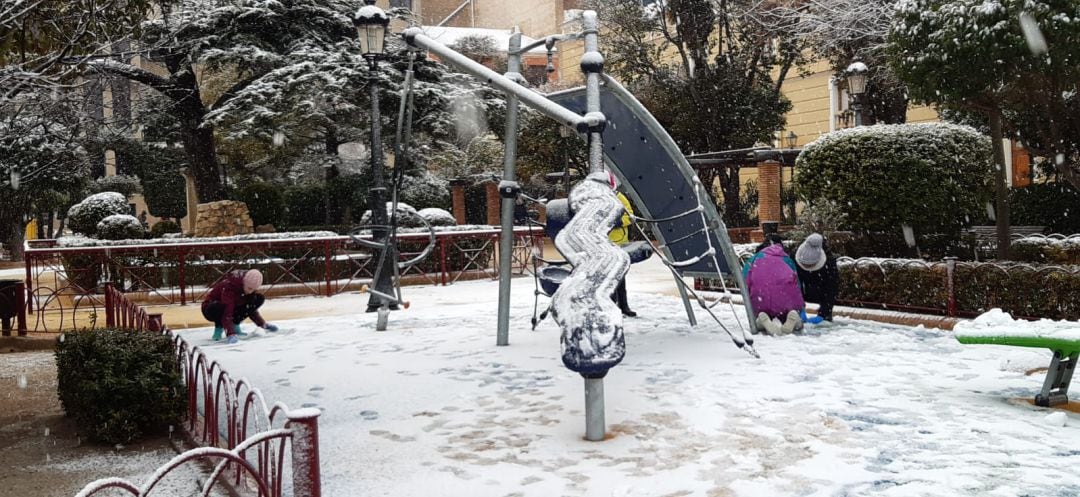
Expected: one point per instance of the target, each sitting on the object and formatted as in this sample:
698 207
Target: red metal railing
68 282
232 422
126 315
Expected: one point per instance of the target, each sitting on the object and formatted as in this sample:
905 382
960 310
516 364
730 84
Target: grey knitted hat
811 255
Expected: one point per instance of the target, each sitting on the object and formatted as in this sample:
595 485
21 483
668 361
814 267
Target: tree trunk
198 141
15 243
331 143
731 184
199 145
60 227
1001 186
707 176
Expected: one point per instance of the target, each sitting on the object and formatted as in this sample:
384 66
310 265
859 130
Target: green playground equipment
1066 352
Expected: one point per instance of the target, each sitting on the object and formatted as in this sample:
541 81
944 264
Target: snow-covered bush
84 216
437 217
407 217
934 177
118 385
425 190
120 227
124 185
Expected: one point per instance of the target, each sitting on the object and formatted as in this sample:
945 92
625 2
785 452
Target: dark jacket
229 291
821 286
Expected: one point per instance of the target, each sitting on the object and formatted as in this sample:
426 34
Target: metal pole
29 277
592 64
857 108
508 190
377 196
566 117
594 409
110 306
20 304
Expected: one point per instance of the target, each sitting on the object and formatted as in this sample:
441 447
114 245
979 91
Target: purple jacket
773 282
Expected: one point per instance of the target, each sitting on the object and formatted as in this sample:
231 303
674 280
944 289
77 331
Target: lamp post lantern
856 81
371 23
791 139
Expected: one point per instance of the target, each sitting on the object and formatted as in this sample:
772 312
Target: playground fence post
950 285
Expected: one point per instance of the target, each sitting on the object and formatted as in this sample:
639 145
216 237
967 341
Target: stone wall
223 218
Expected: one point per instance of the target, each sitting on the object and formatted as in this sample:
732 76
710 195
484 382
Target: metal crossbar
471 257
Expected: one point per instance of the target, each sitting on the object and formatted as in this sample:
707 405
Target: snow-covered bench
1061 337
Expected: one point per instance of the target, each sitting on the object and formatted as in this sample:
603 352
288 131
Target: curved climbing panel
658 179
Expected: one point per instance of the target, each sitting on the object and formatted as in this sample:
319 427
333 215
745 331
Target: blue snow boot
232 339
236 329
217 333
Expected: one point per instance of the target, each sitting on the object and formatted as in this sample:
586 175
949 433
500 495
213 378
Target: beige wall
535 18
809 94
570 53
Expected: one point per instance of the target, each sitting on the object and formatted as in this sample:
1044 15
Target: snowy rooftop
433 407
448 35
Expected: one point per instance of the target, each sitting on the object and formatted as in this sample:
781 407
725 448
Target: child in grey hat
818 274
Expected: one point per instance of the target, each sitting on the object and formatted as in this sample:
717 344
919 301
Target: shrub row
1046 250
1025 290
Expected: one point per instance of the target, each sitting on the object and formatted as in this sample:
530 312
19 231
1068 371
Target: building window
407 4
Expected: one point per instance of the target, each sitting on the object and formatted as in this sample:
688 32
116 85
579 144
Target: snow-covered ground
433 408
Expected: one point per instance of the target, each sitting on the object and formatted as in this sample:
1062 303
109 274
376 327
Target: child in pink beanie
232 300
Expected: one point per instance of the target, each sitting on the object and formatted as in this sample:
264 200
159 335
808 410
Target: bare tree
709 70
843 31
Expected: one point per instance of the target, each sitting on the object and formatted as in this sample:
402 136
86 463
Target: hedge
264 201
934 177
1024 290
1054 205
119 385
1046 250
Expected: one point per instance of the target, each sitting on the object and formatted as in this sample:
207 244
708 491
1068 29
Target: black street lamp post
371 23
856 81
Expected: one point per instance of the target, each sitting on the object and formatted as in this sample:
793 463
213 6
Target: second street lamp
856 81
371 23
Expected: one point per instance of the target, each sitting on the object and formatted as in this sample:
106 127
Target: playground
431 407
470 390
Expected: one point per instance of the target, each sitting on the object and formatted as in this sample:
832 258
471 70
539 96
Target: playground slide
657 178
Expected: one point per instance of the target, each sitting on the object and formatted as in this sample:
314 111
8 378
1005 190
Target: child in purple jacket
772 281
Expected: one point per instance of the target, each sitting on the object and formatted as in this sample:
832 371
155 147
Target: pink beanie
253 279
